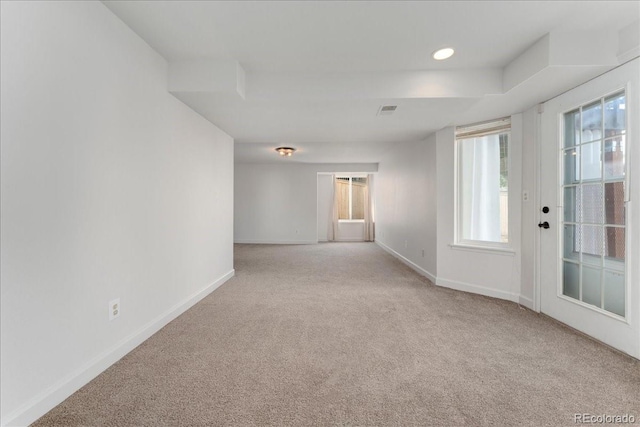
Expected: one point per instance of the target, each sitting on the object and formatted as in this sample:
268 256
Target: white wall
486 272
277 203
110 188
350 231
406 201
325 203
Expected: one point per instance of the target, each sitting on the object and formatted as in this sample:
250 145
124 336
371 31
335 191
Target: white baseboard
457 285
406 261
275 242
477 289
526 302
49 398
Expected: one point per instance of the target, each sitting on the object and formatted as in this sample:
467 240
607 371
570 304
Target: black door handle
544 225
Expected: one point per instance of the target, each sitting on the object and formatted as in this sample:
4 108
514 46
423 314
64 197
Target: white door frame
537 296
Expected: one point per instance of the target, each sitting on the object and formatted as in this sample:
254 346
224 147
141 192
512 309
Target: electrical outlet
525 196
114 308
423 253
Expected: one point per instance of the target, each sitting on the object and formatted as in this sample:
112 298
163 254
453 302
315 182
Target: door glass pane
615 244
614 264
571 242
614 292
591 244
592 204
572 204
614 203
614 115
591 161
592 122
614 158
593 229
571 280
572 165
572 128
591 286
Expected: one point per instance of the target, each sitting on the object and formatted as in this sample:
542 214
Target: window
351 197
482 152
594 219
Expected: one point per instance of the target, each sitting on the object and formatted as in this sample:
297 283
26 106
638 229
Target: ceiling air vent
386 110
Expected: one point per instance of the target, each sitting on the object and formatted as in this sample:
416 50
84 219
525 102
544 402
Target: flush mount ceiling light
285 151
444 53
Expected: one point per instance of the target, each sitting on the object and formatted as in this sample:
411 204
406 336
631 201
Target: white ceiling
317 72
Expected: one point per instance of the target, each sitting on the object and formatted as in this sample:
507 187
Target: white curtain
480 196
369 224
333 226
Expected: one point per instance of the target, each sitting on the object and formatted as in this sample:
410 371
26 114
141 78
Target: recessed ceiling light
444 53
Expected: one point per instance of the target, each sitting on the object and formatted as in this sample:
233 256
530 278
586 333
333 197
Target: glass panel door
587 240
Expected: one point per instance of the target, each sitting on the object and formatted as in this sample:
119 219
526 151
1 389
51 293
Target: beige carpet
345 335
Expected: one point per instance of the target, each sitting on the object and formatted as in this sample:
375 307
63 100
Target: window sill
350 220
486 249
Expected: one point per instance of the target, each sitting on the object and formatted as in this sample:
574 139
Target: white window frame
503 126
351 176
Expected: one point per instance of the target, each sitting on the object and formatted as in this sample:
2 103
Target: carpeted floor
345 335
